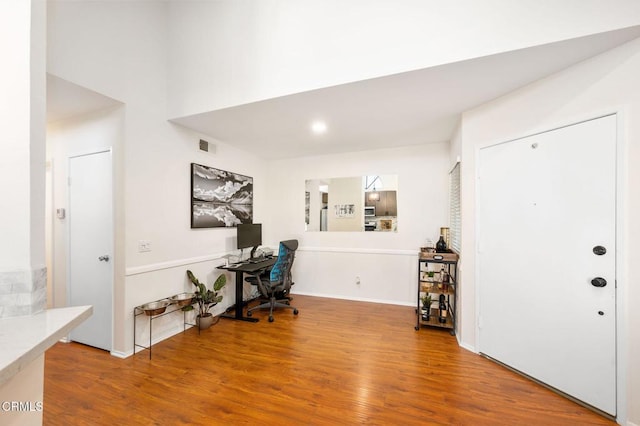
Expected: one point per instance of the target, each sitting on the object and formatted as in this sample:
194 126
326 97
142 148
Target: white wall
22 110
226 53
164 220
328 262
88 133
605 84
127 62
14 119
22 165
22 179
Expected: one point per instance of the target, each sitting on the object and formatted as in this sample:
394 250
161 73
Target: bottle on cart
442 310
445 279
441 245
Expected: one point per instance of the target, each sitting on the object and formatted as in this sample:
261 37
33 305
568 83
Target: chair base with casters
274 285
271 305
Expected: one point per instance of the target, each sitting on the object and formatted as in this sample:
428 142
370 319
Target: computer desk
251 268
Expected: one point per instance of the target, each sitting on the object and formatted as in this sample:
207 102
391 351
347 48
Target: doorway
547 258
90 254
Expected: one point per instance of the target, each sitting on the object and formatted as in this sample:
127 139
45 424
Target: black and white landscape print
220 198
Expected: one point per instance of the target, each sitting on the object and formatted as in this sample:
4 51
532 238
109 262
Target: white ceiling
416 107
66 100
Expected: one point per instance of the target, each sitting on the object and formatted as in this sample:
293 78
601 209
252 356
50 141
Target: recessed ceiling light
318 127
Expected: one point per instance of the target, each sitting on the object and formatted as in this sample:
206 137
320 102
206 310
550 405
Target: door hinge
69 181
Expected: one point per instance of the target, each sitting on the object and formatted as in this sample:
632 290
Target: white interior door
90 246
545 202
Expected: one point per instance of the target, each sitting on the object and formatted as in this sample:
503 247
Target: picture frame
220 199
344 211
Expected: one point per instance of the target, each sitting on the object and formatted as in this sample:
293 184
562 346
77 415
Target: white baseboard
166 334
121 355
156 339
466 346
355 299
117 354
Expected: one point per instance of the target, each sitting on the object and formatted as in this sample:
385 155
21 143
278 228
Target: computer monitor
249 235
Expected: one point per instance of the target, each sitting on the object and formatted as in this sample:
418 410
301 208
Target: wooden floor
337 362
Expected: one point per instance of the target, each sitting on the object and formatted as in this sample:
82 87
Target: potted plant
426 307
206 299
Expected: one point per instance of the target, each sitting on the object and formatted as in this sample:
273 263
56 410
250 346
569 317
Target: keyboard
250 265
260 259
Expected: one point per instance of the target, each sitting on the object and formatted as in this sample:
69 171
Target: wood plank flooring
337 363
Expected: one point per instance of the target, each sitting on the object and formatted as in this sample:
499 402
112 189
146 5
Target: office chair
275 285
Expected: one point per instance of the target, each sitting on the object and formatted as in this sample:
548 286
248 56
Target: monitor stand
252 256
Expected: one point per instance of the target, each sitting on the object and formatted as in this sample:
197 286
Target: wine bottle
441 245
442 310
445 279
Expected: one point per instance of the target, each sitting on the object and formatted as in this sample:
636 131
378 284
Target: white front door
90 246
547 211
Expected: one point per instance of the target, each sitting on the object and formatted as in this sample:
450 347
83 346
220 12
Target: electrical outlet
357 280
144 246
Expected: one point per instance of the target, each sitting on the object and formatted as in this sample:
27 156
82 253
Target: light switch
144 246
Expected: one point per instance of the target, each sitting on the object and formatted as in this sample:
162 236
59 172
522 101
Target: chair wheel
270 318
295 312
249 313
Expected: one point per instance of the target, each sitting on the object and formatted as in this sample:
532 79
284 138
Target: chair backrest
281 270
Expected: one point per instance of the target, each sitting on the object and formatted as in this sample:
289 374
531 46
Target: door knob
104 258
598 282
599 250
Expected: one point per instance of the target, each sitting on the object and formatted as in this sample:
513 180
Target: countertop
25 338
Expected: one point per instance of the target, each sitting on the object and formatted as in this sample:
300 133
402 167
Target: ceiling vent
207 147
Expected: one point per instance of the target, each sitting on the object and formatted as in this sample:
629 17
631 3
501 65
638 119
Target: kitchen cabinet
386 204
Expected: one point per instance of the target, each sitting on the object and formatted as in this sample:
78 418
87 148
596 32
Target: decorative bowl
155 308
182 299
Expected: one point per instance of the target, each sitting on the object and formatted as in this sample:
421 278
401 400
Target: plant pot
426 315
204 321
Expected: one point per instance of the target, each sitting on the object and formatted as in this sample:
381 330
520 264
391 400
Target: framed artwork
220 198
344 211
